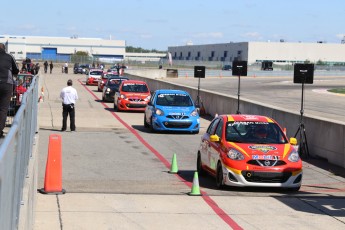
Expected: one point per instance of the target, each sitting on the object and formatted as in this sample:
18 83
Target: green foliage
320 62
80 57
131 49
307 61
337 90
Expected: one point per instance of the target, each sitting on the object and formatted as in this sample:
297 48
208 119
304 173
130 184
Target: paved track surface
116 175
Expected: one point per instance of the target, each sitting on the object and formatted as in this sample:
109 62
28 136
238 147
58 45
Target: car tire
296 189
103 98
146 125
118 108
199 168
152 129
219 176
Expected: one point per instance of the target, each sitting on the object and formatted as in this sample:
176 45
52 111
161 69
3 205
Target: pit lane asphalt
115 181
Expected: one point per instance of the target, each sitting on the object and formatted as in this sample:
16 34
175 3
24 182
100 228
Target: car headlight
159 112
294 156
122 96
194 113
147 98
235 155
108 89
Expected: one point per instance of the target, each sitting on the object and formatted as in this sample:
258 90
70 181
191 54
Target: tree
131 49
80 56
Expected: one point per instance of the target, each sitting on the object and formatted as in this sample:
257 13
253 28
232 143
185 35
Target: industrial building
62 48
279 52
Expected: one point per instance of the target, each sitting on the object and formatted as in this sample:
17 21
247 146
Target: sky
153 24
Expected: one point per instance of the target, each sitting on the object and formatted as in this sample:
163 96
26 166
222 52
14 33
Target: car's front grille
177 125
266 163
177 117
136 105
136 99
266 177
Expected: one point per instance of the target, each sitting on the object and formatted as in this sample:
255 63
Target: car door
215 147
206 144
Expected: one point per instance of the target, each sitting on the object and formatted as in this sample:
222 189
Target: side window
219 129
212 126
152 98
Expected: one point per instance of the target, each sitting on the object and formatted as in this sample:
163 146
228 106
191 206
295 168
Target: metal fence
15 155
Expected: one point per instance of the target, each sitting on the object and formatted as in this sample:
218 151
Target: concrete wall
325 137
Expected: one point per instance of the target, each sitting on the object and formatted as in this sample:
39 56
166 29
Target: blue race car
171 110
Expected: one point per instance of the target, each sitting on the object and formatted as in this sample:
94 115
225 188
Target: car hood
140 95
251 150
176 110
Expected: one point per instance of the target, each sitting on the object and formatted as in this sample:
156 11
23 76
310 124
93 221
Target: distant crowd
29 67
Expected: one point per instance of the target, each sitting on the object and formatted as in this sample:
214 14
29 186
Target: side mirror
214 138
293 141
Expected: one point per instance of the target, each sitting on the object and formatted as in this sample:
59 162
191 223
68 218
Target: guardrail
17 165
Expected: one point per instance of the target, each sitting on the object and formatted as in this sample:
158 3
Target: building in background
62 48
278 52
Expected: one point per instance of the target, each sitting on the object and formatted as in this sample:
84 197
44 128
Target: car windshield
254 132
109 75
172 99
135 87
112 82
96 73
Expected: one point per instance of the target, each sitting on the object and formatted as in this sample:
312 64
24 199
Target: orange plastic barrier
53 176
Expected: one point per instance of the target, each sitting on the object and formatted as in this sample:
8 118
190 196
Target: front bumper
166 124
132 106
251 178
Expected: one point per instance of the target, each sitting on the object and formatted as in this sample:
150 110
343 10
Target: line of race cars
237 149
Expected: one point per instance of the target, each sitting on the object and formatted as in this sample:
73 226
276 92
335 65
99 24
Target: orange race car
249 150
132 95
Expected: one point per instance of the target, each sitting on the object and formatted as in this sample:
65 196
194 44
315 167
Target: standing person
118 67
51 66
45 66
8 68
69 96
66 67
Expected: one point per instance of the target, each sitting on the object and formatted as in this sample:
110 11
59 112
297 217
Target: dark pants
68 110
6 91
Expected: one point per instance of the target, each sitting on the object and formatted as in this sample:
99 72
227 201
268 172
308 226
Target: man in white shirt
69 96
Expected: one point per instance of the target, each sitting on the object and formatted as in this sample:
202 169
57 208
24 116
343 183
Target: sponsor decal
262 148
265 157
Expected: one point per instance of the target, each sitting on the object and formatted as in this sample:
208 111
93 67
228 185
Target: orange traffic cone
53 176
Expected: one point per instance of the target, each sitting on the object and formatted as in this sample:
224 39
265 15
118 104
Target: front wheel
152 129
219 176
146 125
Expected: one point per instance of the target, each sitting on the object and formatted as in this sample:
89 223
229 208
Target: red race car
249 150
132 95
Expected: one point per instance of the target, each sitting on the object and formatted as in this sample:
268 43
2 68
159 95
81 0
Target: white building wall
94 46
259 51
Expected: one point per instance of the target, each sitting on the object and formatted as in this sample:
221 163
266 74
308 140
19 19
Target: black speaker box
199 71
239 68
303 73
